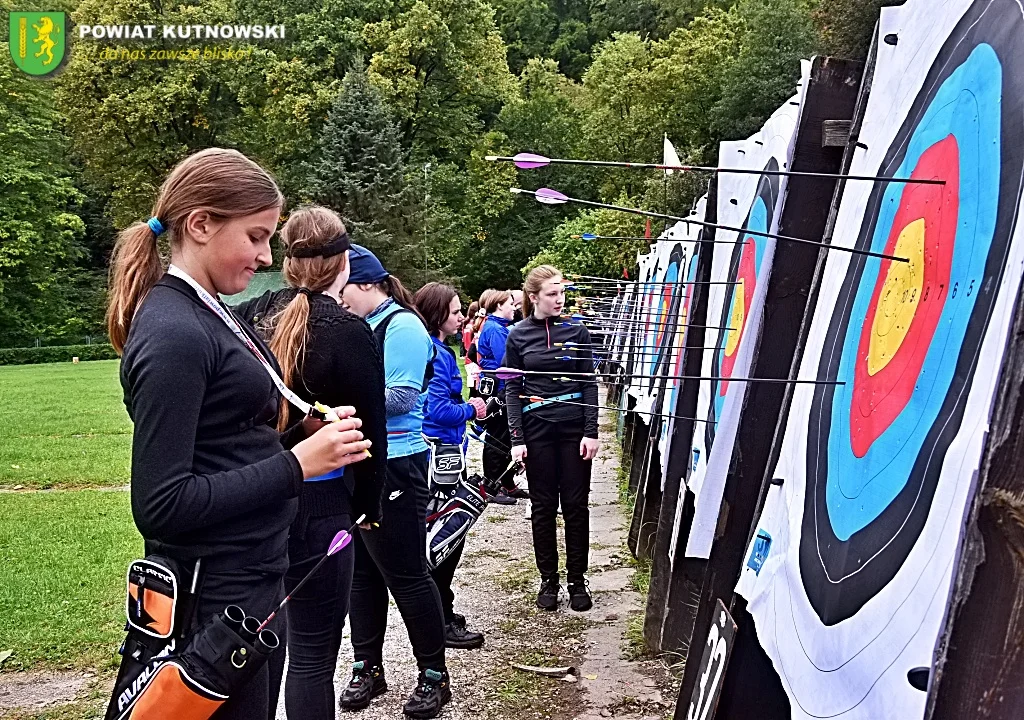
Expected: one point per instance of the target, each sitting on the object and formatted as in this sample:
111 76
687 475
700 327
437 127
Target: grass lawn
63 425
64 556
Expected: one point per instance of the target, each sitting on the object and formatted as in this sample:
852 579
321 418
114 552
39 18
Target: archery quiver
170 668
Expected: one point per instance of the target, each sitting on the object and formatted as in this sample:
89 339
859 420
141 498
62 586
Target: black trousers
316 615
497 452
393 557
443 576
555 471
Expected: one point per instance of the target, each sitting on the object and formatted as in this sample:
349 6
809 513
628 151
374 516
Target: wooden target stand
749 687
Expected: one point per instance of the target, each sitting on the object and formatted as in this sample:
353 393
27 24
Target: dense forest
385 111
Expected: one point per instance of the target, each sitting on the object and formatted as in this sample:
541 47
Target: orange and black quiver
169 667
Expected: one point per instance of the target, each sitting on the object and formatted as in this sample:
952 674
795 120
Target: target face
666 316
904 336
744 269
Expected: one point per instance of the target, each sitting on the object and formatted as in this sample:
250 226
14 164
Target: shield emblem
37 41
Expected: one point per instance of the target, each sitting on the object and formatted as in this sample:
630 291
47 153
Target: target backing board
848 576
685 239
752 202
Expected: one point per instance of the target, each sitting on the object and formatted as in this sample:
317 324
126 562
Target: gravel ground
495 588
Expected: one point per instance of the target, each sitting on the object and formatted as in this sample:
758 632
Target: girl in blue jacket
500 307
445 420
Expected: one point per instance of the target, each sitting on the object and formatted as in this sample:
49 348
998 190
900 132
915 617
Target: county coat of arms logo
37 41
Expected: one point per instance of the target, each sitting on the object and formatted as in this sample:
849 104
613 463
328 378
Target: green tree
527 27
846 26
360 171
441 66
130 122
621 122
687 81
776 35
40 229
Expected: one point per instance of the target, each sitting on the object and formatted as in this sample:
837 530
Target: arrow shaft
615 409
744 231
732 171
667 239
716 378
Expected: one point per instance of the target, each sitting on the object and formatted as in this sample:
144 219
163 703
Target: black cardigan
531 345
342 366
210 476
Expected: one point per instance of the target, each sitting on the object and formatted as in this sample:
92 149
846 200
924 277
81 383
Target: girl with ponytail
326 354
555 433
393 557
213 486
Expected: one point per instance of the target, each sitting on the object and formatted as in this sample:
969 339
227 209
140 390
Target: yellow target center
899 298
735 321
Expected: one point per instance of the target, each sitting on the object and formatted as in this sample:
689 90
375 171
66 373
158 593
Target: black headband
335 247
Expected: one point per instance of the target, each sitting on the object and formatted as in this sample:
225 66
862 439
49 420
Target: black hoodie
536 345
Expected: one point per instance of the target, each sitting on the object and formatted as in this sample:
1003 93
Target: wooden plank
981 651
831 93
658 597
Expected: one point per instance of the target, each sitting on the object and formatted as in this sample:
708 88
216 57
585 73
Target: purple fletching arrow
340 541
507 373
529 161
551 197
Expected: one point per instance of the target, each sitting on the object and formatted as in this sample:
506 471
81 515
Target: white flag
671 158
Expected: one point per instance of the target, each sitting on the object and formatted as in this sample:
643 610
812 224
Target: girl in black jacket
555 435
326 354
211 478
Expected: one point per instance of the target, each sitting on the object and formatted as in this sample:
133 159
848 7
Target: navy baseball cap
364 267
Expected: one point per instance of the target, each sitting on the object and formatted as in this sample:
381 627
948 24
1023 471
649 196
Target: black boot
457 636
579 596
366 684
547 598
433 691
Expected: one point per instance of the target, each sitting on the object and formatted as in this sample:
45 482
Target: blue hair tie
156 226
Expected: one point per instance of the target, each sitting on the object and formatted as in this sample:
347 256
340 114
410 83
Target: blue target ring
876 445
745 264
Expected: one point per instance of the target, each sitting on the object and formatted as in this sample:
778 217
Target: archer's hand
311 424
589 448
333 446
480 406
519 453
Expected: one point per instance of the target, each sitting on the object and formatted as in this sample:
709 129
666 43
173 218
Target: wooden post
980 653
661 635
831 94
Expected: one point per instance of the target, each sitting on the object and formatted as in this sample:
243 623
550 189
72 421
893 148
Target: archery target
751 203
667 317
745 268
672 365
878 471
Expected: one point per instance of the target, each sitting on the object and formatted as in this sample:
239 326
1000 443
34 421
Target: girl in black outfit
557 440
211 477
326 354
393 557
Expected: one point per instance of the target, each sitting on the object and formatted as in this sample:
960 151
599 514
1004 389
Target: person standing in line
555 436
466 329
213 486
326 354
385 558
517 304
445 422
499 306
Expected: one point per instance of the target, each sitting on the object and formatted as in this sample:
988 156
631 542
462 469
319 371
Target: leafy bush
60 353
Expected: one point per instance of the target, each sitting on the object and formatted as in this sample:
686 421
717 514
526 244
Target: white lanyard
223 314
